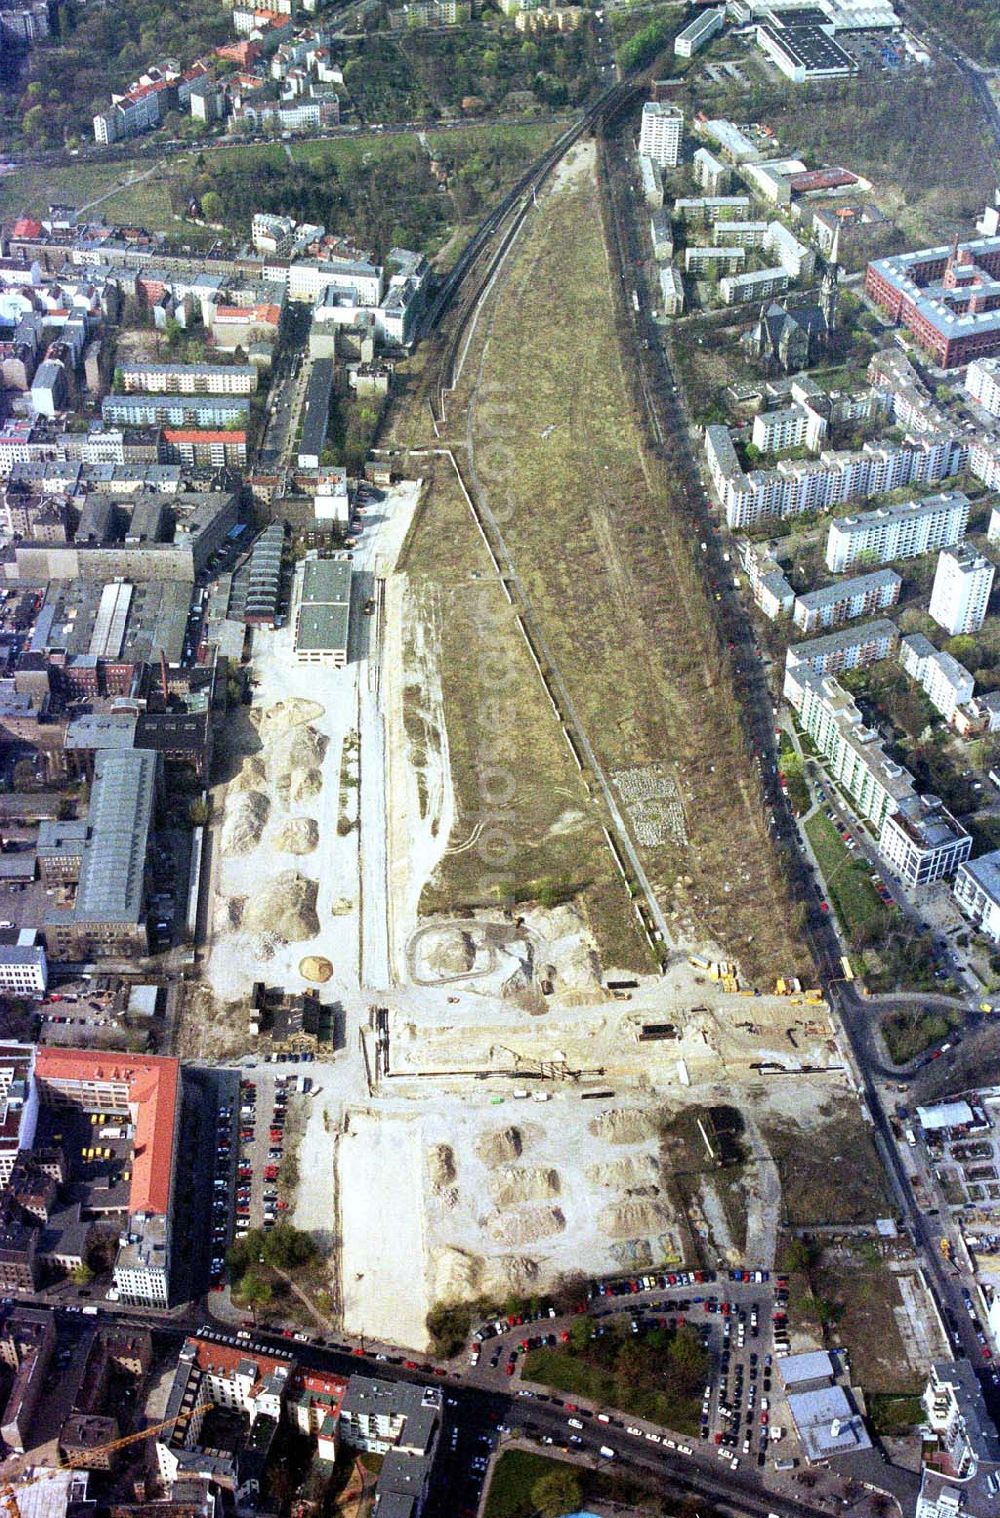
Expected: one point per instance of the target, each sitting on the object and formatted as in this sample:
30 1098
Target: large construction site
527 1081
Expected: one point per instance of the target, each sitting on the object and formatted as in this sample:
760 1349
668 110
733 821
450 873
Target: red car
410 1365
509 1368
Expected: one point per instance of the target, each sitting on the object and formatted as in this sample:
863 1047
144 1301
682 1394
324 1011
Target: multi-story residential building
946 296
795 426
314 1404
962 1480
796 258
402 1422
977 891
18 1104
961 592
145 1091
982 382
662 235
854 754
706 210
743 234
847 599
250 1387
849 648
214 450
188 379
23 967
272 234
712 174
948 684
921 842
661 133
212 411
898 532
771 590
700 31
758 284
711 260
652 182
672 291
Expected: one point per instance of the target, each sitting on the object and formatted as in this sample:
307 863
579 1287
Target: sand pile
296 835
524 1183
515 1273
252 775
637 1170
625 1220
285 909
623 1125
457 1274
633 1254
244 822
448 952
304 785
317 968
301 749
283 716
526 1226
229 913
441 1170
499 1147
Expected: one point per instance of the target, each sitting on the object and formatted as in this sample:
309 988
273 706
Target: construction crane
84 1458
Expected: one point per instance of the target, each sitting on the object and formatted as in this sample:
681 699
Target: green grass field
852 895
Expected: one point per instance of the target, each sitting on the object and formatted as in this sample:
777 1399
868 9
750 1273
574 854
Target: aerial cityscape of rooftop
500 759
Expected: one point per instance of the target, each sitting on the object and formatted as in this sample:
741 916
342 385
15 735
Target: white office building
962 584
661 133
898 532
977 891
23 967
982 381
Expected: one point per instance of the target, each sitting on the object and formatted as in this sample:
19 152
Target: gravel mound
280 718
252 775
524 1183
627 1219
244 822
285 909
296 835
441 1169
304 785
623 1125
526 1226
500 1147
457 1274
511 1273
637 1170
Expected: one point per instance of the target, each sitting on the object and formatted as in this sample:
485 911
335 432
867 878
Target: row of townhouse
188 379
145 104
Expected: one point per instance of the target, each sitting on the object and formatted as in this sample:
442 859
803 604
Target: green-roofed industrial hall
322 622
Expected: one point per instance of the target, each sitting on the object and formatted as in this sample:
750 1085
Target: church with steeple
790 338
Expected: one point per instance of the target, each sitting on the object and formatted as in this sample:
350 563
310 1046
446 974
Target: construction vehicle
946 1249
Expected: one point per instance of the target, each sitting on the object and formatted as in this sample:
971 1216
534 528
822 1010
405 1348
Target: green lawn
659 1376
514 1474
851 893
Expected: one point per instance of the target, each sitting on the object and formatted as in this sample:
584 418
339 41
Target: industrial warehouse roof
324 613
119 816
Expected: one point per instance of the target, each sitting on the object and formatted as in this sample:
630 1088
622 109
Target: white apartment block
796 258
661 133
794 426
982 381
849 648
854 754
898 532
712 174
699 31
761 284
23 968
672 291
189 379
652 182
947 683
962 584
918 838
709 260
846 600
743 234
977 891
993 532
